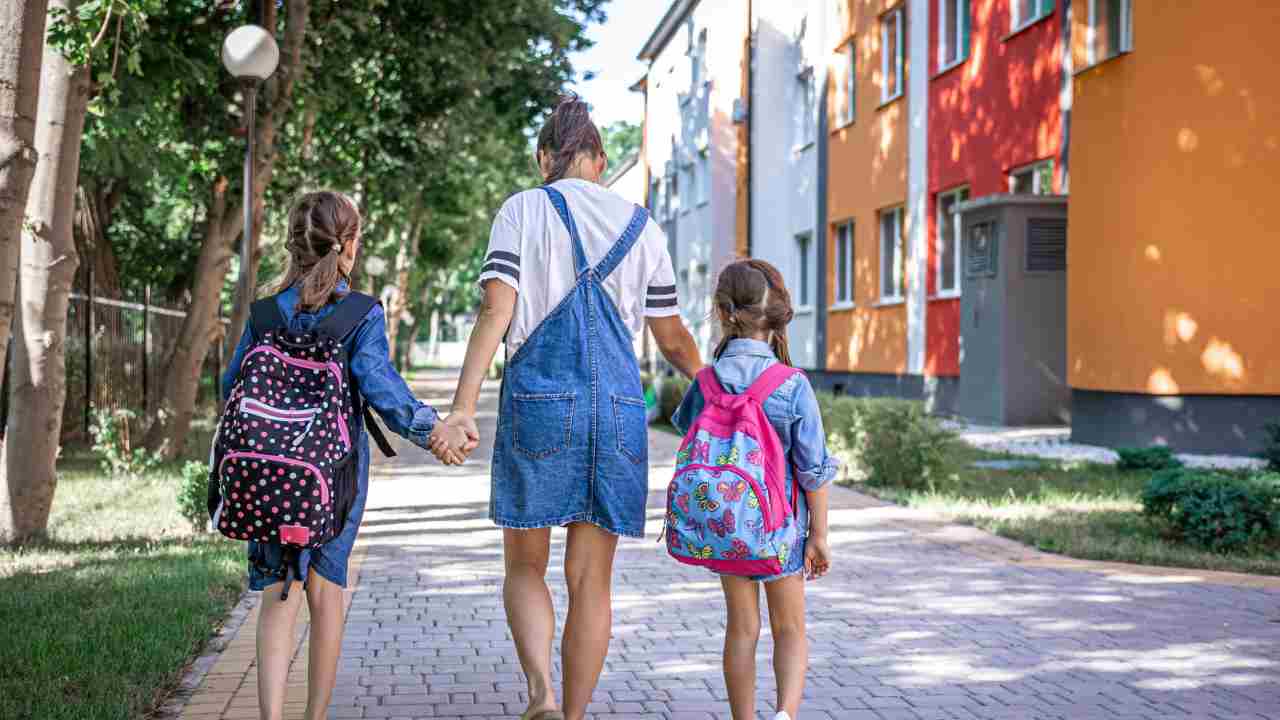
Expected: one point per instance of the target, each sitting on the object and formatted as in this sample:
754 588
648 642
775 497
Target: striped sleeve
502 260
660 298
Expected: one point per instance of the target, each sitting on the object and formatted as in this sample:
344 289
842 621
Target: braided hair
322 225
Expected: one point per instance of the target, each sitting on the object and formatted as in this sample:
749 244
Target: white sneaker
782 716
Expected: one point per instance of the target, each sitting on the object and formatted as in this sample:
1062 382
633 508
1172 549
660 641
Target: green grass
100 619
1081 510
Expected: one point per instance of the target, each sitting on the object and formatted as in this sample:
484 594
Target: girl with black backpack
290 470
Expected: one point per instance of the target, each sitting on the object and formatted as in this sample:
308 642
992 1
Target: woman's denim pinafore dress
572 442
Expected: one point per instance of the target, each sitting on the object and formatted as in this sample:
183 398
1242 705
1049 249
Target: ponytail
751 298
568 134
322 225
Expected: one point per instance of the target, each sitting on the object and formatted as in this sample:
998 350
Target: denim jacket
370 358
792 409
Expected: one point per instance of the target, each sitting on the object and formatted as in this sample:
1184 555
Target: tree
621 140
48 263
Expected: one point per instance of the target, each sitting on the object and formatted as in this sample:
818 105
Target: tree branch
106 23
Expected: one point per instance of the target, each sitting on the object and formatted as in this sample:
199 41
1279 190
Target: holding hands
454 438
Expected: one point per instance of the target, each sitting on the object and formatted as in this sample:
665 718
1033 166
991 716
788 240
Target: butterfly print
692 525
726 525
682 500
683 456
755 457
738 551
732 490
753 502
756 527
730 458
701 450
703 553
705 503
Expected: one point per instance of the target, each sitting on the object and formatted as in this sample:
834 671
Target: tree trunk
47 269
200 327
406 256
22 25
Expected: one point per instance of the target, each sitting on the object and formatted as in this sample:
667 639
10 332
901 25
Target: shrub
885 441
112 445
1216 512
1271 447
193 494
1156 457
671 390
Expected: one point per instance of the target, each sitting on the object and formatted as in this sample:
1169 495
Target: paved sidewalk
918 620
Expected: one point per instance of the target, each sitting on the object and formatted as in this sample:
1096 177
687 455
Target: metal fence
116 350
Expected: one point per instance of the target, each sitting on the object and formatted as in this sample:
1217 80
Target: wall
994 112
867 169
789 38
1175 166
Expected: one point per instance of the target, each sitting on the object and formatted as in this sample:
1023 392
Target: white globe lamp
250 53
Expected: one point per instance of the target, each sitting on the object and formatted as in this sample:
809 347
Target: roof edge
666 28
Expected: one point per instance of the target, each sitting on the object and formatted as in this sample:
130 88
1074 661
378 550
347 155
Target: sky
613 60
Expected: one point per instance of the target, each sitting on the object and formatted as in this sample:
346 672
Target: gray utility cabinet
1013 311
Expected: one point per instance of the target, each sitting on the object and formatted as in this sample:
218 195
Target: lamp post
251 55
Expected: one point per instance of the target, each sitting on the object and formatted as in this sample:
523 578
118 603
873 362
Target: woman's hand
453 439
817 557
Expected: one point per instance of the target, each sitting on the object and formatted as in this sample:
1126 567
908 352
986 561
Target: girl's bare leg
742 634
276 623
588 568
328 621
790 644
530 613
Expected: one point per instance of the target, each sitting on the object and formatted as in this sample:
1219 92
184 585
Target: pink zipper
309 365
324 487
755 487
270 412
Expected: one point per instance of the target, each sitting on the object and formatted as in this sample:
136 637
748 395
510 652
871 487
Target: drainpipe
821 233
751 102
1066 98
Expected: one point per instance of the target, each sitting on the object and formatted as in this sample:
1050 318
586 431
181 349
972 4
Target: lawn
100 619
1081 510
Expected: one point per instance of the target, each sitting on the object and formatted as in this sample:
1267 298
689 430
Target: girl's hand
448 443
817 557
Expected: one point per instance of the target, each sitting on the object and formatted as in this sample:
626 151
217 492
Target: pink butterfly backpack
727 505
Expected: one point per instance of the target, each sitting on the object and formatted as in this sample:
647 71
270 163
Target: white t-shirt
530 241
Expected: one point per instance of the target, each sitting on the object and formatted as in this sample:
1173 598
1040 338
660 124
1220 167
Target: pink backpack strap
770 380
709 384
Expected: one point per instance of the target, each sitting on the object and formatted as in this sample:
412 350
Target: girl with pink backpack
749 496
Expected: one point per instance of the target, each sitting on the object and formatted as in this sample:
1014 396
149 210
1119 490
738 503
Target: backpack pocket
630 418
542 424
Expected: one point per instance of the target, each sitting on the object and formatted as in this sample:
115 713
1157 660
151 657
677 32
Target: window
806 110
1026 12
949 241
846 85
953 32
1110 29
703 184
655 196
673 194
844 264
1035 179
891 55
804 265
687 181
892 284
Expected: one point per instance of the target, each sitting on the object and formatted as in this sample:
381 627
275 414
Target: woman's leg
328 620
529 611
588 568
742 633
790 644
276 621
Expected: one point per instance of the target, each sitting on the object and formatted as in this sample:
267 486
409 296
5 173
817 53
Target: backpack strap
340 323
265 315
709 384
770 380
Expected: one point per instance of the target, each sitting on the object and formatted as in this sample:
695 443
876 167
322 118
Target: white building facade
691 145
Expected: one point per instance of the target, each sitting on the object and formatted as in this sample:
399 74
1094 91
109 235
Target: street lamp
251 55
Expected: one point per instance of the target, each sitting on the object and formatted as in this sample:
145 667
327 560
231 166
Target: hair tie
336 247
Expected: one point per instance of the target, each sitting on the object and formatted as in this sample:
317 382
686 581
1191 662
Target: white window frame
956 248
1125 44
803 249
849 270
847 115
960 8
807 127
703 167
1016 23
897 17
673 194
1036 186
897 260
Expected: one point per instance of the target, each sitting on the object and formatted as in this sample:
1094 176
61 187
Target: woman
572 274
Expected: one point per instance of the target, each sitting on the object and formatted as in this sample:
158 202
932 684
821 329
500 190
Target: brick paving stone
908 625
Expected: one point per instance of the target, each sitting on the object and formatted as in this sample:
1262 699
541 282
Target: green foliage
1156 457
1216 512
671 390
193 493
1271 446
111 443
621 140
886 442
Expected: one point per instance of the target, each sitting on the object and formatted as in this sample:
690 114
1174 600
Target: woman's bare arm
496 310
676 344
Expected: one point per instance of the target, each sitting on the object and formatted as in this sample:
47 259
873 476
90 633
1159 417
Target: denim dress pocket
631 422
542 423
